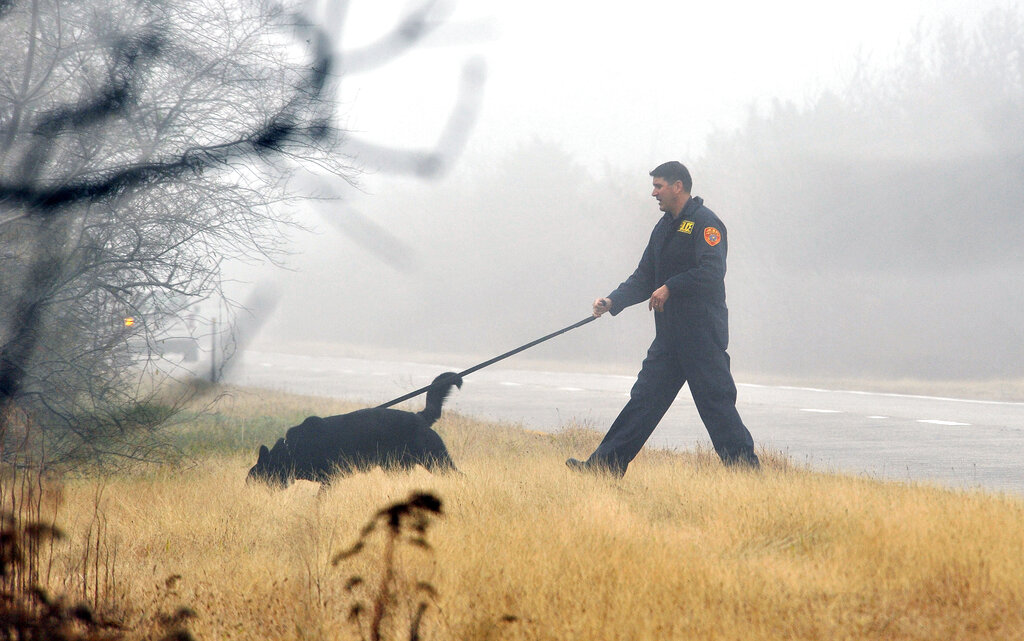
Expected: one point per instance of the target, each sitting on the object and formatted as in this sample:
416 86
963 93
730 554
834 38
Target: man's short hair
672 171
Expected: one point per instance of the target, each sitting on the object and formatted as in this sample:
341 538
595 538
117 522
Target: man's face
670 196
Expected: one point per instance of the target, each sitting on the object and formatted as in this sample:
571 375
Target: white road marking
821 411
800 389
938 422
885 394
879 417
570 389
510 384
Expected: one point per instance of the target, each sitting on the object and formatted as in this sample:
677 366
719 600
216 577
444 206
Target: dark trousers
662 375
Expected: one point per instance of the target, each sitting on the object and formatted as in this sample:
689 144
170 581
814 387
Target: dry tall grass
681 548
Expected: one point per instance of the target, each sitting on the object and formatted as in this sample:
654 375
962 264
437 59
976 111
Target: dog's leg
338 470
433 453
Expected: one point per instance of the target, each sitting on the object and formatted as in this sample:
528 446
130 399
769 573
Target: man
682 277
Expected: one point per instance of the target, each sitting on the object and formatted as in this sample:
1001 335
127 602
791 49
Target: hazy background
868 161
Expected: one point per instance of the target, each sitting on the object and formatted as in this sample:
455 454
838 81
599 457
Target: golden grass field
681 548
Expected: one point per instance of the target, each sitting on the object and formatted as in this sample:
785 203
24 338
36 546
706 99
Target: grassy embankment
679 549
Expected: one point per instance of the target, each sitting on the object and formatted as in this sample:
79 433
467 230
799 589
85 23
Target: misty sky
628 89
602 82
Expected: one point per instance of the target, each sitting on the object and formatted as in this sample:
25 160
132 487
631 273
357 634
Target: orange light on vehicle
129 321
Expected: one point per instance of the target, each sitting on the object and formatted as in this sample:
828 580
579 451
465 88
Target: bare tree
141 144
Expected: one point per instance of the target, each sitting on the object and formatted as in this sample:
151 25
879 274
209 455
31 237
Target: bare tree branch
143 143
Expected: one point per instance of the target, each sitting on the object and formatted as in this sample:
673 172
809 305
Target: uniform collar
691 205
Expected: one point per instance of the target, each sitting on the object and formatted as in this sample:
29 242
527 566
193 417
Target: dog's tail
438 391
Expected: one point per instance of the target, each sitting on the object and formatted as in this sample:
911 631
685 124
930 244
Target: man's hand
658 299
602 305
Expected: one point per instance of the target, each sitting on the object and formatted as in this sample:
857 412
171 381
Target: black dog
320 448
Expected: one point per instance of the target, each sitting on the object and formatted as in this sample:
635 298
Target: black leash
494 360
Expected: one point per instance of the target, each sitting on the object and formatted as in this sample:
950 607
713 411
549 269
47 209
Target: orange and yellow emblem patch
712 236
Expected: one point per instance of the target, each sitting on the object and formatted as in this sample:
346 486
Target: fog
874 225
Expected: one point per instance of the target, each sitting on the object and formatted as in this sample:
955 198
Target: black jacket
688 255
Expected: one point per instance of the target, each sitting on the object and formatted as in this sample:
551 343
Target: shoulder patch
712 236
686 227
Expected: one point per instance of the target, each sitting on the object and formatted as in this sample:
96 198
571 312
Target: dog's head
273 467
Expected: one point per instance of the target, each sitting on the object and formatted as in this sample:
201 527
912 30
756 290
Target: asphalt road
954 442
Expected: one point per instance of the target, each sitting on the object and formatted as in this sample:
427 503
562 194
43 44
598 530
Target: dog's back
359 440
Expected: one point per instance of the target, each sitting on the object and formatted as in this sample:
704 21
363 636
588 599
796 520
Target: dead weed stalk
404 522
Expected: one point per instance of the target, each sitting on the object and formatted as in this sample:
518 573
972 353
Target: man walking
682 277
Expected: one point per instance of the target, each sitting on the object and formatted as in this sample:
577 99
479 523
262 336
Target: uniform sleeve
708 277
638 287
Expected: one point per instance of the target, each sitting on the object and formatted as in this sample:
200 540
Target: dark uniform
692 333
